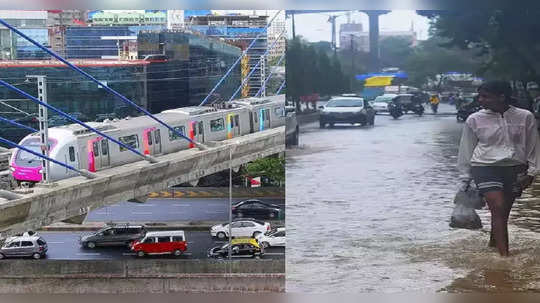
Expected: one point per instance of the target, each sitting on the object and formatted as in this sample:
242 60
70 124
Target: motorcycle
465 111
395 110
417 108
434 108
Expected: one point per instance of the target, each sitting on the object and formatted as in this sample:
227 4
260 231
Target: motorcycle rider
434 100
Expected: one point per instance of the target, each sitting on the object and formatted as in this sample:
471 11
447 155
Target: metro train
83 149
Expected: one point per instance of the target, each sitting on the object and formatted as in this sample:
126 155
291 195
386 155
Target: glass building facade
195 65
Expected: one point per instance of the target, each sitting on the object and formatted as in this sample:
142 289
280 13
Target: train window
231 122
237 120
256 118
131 141
279 111
96 149
267 114
173 135
104 147
71 154
157 136
217 125
201 130
149 136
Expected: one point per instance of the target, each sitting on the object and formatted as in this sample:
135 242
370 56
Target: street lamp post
43 126
230 203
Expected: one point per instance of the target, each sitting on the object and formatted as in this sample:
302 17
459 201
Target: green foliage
506 39
433 56
394 50
272 168
310 70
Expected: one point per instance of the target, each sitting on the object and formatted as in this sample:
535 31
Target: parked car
160 243
380 104
24 246
347 110
255 208
114 235
240 248
243 228
272 238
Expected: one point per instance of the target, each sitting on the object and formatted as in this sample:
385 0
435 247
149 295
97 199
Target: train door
264 119
152 141
98 154
233 126
251 121
196 132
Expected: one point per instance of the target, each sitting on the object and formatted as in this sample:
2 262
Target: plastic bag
470 197
466 217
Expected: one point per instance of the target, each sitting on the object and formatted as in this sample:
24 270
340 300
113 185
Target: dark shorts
498 178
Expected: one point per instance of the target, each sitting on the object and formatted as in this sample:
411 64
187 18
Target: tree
272 168
433 57
310 70
394 51
507 39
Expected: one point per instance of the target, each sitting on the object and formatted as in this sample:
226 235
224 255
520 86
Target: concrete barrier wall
75 196
141 276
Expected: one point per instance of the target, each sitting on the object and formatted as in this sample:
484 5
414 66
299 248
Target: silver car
24 246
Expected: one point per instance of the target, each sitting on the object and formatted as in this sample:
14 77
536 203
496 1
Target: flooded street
368 211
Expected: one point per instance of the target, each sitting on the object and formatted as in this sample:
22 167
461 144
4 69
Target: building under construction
238 30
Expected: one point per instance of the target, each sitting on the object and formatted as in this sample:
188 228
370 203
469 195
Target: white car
240 228
272 238
380 104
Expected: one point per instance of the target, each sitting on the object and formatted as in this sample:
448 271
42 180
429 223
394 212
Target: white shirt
493 139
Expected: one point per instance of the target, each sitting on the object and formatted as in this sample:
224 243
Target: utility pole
293 31
352 63
263 77
43 126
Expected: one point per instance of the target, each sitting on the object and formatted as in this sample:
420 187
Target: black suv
114 235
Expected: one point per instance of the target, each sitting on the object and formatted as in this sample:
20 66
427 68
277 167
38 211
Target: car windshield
384 99
345 103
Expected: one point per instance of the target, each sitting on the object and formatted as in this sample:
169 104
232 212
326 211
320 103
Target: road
170 210
65 246
369 208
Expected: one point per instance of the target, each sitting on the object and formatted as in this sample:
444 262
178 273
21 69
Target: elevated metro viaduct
73 198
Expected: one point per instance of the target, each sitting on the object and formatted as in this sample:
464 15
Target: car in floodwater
347 109
380 104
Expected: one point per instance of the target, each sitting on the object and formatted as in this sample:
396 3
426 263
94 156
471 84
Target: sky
315 27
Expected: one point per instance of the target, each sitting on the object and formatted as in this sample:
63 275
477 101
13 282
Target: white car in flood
380 104
240 228
272 238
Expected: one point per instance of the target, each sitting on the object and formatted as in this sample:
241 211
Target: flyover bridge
74 197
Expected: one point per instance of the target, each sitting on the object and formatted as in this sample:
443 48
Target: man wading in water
499 150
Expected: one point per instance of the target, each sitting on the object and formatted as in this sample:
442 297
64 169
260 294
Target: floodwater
369 207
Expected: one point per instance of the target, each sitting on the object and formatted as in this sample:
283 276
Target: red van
161 243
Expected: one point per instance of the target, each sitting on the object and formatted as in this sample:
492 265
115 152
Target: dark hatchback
255 208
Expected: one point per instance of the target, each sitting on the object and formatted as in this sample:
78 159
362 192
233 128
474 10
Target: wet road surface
369 207
66 246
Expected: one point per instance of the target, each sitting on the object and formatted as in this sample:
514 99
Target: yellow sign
379 81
